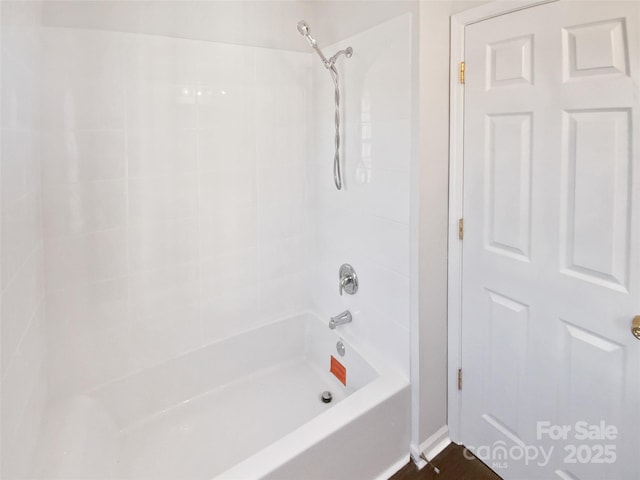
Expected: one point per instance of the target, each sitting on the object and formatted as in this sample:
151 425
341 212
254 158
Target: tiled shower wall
174 199
367 224
22 328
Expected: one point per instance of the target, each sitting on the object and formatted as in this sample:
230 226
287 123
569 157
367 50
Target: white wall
166 222
22 299
367 224
434 190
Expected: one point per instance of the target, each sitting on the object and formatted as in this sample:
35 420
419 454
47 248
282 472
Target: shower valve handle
348 280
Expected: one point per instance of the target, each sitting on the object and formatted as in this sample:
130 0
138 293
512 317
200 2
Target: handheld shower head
303 28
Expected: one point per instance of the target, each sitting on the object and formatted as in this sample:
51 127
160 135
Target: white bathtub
247 407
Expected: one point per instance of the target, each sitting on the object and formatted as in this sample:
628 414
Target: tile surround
184 193
182 212
366 224
215 168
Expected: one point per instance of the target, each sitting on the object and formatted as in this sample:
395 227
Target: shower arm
329 64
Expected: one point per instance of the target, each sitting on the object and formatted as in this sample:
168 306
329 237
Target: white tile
91 104
283 258
162 292
231 312
232 189
284 296
78 208
164 336
225 230
282 185
158 245
228 147
21 377
382 193
105 356
386 242
20 165
21 234
382 62
161 152
229 272
282 67
20 108
391 145
87 307
20 448
283 221
161 106
85 258
386 294
83 156
376 145
226 105
85 80
382 241
158 199
20 302
281 135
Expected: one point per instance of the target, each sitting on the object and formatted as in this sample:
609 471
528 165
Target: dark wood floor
453 466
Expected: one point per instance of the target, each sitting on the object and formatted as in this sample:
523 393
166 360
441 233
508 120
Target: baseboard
393 469
431 447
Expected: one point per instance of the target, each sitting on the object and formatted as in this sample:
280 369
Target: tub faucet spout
340 319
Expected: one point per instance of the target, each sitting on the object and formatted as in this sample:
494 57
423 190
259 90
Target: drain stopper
326 397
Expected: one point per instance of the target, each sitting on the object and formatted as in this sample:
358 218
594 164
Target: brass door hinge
461 70
460 229
459 379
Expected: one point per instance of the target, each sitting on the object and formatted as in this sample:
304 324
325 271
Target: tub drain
326 397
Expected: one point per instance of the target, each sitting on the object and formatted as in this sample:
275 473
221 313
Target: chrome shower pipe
329 64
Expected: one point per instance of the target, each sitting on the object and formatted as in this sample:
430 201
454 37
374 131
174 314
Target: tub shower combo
203 359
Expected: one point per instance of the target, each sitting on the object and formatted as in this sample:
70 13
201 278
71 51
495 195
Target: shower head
303 28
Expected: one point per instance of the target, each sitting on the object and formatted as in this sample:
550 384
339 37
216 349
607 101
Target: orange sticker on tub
338 370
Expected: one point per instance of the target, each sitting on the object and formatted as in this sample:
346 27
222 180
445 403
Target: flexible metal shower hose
337 175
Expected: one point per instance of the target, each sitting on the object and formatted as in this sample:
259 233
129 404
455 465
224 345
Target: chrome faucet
340 319
348 280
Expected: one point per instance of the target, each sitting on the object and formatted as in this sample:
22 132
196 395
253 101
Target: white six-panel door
551 249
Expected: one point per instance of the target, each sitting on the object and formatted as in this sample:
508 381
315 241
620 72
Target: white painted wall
22 299
434 178
166 225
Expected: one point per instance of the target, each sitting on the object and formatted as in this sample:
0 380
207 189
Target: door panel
551 251
597 164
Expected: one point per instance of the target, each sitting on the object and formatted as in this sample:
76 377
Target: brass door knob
635 327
